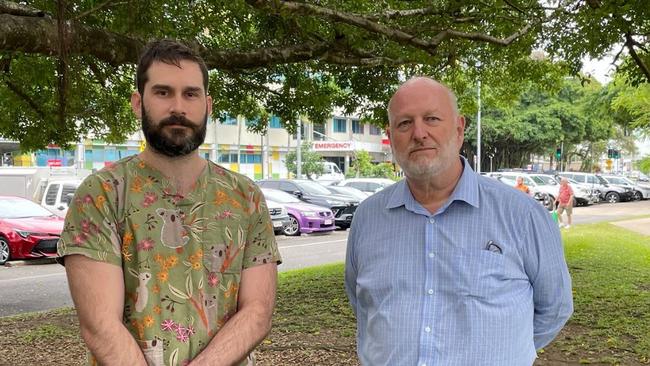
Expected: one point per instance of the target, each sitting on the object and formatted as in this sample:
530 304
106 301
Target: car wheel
612 197
293 229
637 196
4 251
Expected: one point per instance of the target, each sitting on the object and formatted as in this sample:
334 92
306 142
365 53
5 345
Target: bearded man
159 274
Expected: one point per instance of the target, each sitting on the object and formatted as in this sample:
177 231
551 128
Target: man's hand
250 324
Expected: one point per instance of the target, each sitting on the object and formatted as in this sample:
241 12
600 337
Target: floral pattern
182 256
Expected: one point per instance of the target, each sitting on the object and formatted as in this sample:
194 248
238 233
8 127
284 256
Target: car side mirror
297 194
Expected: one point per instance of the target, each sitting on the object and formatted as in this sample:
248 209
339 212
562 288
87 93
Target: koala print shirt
182 256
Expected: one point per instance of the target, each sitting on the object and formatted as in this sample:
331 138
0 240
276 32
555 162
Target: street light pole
299 151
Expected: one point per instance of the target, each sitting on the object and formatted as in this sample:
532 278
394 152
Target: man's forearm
113 345
237 338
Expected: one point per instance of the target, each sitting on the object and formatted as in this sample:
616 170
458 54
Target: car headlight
335 203
310 213
25 234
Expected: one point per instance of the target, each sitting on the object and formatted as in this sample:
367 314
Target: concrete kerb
29 262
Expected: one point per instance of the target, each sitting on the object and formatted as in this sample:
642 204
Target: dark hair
170 52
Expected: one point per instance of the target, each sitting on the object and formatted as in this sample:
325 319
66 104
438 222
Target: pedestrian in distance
447 267
171 259
521 186
564 202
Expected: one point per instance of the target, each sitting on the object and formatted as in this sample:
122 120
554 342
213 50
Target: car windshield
616 180
313 188
348 191
16 208
544 180
279 196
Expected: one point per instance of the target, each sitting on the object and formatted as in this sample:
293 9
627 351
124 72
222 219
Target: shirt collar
466 190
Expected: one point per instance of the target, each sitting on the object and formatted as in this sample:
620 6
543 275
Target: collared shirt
182 256
483 281
565 194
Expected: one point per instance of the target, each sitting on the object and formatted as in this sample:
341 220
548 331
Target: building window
229 120
228 158
319 132
247 158
374 130
340 125
275 122
357 127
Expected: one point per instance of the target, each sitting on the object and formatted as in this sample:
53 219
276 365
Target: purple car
304 217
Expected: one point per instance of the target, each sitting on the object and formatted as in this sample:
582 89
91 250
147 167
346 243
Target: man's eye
192 94
431 119
161 93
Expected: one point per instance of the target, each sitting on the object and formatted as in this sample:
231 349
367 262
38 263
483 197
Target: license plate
328 222
277 224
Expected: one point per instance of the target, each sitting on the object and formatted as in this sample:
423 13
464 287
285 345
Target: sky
601 69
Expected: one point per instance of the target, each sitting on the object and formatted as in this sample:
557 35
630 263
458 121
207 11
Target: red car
27 230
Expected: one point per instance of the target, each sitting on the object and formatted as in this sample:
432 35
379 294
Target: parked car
640 191
367 185
58 195
314 193
279 216
608 192
27 230
304 217
353 193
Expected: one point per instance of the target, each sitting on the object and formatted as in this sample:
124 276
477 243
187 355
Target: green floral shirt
182 257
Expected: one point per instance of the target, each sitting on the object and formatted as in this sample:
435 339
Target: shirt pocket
487 273
474 273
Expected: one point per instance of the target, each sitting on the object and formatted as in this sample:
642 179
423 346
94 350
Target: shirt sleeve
261 248
91 227
549 276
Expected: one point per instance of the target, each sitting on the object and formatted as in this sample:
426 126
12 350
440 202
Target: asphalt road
38 287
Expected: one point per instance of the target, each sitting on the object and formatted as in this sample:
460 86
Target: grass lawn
313 323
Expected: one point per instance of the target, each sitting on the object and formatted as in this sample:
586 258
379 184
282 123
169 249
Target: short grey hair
450 94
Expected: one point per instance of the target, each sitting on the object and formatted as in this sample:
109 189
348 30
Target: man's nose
178 105
419 129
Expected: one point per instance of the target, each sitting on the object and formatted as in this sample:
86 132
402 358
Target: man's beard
179 143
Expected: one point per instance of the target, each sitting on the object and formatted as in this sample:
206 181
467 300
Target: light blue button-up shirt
483 281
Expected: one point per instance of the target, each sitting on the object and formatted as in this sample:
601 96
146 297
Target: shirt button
430 291
431 255
432 220
427 329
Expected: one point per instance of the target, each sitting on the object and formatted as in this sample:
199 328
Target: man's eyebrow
193 89
161 87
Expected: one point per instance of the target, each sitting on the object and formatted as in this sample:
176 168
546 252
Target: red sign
332 146
385 141
53 162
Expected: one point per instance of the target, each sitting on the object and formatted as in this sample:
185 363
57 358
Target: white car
367 185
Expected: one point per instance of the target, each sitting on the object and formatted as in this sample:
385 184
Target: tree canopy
66 66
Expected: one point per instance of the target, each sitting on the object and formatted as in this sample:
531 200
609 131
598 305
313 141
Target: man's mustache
176 120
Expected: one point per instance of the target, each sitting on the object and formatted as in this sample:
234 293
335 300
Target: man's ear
136 104
208 100
461 129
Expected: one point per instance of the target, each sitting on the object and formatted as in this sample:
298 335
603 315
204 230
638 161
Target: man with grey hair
447 267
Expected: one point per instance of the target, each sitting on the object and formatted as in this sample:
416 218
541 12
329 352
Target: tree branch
24 96
92 10
12 8
450 33
357 21
510 4
629 42
389 14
